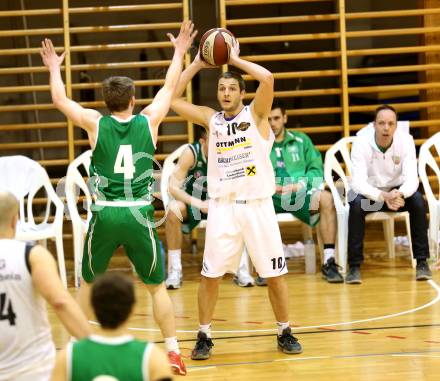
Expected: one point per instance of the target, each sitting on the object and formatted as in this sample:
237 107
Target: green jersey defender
121 170
122 212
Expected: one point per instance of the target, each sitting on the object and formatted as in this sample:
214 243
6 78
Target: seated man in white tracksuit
384 178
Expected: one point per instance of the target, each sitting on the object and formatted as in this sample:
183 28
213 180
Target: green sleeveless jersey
110 359
122 161
196 184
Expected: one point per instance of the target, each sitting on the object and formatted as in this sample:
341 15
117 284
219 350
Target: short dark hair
117 92
200 132
277 103
112 299
236 76
384 107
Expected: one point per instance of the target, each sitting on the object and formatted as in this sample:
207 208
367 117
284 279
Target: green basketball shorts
297 204
130 227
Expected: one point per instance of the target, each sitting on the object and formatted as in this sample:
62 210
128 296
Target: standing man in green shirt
112 354
299 186
123 147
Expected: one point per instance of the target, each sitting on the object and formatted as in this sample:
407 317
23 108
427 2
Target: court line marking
303 358
433 284
214 366
413 355
201 368
392 354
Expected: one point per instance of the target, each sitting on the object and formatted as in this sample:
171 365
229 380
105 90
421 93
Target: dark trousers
359 208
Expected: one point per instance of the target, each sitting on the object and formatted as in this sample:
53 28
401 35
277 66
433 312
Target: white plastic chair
24 177
427 159
168 167
74 183
340 192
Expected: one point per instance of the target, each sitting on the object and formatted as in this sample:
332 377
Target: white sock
328 253
206 328
172 345
174 259
244 269
282 326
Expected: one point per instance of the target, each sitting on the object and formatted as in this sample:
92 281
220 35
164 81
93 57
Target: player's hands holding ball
235 51
202 64
218 46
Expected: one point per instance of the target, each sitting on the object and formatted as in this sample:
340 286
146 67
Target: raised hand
185 38
235 50
49 56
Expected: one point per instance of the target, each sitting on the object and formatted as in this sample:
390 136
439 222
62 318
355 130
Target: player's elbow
268 79
59 302
58 101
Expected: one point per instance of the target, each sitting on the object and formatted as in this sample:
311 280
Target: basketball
215 46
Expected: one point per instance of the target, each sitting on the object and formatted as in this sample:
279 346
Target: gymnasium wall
333 62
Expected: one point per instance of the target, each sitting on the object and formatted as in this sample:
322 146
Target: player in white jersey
240 185
28 277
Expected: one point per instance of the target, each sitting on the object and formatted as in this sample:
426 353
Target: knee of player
326 201
356 202
417 199
173 219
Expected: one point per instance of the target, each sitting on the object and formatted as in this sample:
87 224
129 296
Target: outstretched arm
59 372
262 103
47 282
196 114
80 116
160 106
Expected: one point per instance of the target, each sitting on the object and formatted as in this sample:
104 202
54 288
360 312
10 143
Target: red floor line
396 337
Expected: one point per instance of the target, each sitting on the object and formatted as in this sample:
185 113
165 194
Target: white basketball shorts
231 226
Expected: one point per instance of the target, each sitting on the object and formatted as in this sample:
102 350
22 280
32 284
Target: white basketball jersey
26 345
239 166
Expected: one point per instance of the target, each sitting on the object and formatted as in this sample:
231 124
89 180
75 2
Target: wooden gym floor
388 328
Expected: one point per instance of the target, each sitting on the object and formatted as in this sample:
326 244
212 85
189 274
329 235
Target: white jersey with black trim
26 346
239 166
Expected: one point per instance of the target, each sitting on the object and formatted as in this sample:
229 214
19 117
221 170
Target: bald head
8 212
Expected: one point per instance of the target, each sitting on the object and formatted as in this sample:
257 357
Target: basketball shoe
176 363
202 350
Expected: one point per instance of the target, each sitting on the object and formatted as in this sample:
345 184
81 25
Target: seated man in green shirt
299 186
